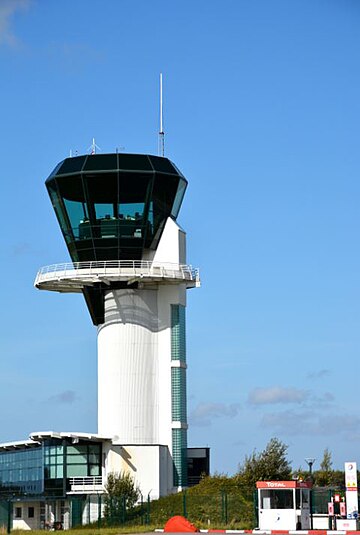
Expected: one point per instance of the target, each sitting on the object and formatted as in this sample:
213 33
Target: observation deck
73 277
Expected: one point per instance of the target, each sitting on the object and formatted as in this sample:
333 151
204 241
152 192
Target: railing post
142 509
9 511
148 510
223 507
256 507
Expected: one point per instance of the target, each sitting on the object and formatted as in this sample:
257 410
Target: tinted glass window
162 164
71 165
178 198
101 162
102 189
136 162
164 193
71 188
277 499
77 214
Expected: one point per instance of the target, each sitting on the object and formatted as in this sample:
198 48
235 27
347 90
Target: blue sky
262 115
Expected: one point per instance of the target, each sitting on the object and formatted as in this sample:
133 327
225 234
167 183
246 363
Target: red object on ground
177 524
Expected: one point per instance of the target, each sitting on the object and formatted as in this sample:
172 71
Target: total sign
351 490
350 476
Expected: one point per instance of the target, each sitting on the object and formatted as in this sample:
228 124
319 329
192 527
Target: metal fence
222 509
219 509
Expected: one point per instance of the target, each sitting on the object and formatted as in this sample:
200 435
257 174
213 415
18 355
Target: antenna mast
161 147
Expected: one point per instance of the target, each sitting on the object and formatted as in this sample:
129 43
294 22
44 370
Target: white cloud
7 10
308 422
277 394
204 413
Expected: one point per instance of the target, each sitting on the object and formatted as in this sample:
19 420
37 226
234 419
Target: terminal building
117 214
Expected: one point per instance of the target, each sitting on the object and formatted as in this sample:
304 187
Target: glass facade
46 469
21 471
112 206
178 394
64 460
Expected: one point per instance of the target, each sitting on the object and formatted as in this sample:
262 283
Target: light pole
310 461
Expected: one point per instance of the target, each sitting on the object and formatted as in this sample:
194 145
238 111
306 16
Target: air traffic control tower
117 213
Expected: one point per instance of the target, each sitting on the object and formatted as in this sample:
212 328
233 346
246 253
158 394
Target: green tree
326 463
270 464
121 494
324 476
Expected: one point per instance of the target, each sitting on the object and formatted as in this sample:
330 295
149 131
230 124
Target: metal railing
83 484
121 268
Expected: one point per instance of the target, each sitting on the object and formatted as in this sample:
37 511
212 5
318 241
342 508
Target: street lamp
310 461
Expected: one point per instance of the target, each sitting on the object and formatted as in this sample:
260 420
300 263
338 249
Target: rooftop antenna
161 147
93 147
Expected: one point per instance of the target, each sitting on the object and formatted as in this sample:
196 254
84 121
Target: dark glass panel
102 189
71 165
102 195
106 249
71 191
74 252
163 165
133 187
178 198
134 192
136 162
71 188
101 162
59 211
82 251
178 170
78 216
164 192
54 171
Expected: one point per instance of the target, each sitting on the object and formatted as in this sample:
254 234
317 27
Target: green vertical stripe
178 394
179 440
178 334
